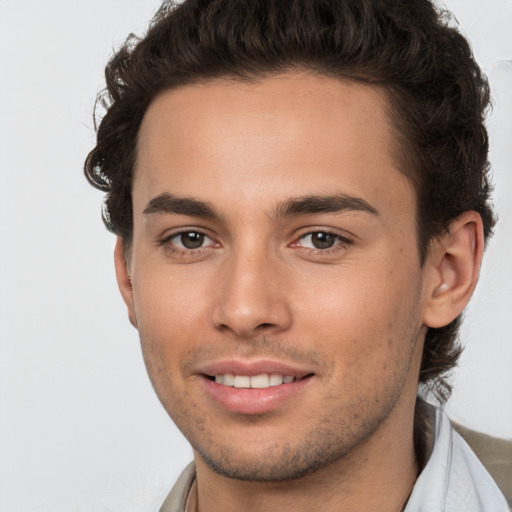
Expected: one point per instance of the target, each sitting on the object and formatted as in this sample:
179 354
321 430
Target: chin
285 467
328 444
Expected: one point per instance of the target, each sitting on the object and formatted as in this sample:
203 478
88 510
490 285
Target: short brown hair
438 97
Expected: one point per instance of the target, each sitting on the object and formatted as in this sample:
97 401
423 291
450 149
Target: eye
320 240
190 240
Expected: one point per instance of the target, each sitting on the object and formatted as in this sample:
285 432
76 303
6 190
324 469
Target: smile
255 386
254 394
261 381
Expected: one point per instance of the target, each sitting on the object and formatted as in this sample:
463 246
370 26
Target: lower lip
254 401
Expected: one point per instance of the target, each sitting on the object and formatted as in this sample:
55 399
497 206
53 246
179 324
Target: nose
251 298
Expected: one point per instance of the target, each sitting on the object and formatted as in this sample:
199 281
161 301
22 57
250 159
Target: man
299 190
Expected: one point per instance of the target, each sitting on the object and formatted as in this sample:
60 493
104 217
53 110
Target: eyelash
173 248
342 243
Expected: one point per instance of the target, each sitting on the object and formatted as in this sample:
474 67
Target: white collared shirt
454 480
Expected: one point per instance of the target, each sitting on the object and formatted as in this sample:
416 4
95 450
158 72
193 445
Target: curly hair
437 94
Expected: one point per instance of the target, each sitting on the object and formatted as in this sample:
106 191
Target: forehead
287 135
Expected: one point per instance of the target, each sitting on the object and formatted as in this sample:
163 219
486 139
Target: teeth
262 381
228 379
275 379
242 381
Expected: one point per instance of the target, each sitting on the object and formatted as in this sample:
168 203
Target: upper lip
253 367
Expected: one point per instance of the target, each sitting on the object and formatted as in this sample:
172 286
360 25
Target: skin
353 315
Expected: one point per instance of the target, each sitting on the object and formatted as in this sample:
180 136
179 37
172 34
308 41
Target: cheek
366 314
170 313
169 302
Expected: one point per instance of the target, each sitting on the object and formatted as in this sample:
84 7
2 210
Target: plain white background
80 427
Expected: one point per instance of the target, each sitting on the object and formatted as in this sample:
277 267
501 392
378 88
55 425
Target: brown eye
322 240
192 240
189 241
319 240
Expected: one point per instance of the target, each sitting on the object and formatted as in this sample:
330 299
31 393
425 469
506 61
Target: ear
124 280
453 268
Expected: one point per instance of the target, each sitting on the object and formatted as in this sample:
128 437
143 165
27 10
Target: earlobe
453 268
124 280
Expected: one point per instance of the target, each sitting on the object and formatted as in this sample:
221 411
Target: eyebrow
315 204
169 204
306 205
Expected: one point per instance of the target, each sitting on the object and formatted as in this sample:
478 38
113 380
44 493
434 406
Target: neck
379 474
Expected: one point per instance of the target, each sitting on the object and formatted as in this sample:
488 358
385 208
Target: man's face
275 240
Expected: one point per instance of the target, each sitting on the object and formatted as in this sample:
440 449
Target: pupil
192 240
322 240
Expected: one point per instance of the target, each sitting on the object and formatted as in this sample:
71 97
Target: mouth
261 381
256 386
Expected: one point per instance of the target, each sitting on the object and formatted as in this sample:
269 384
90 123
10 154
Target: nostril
250 316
